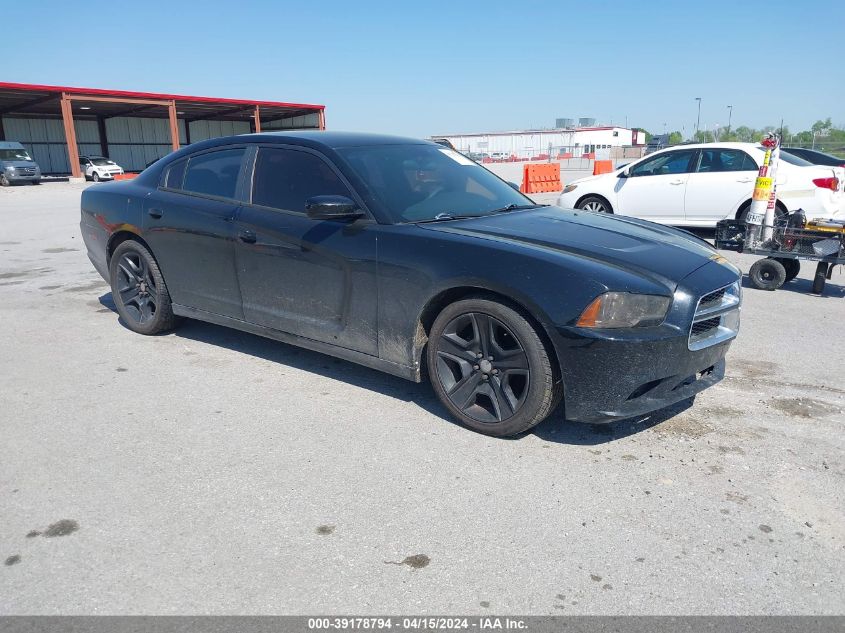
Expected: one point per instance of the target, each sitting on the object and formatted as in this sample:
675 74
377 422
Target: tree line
822 132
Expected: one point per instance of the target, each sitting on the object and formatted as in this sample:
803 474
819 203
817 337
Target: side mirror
332 208
625 173
514 185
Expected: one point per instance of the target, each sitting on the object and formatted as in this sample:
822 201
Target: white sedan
698 185
99 168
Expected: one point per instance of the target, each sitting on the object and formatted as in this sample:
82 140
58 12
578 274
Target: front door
189 225
655 187
312 278
722 180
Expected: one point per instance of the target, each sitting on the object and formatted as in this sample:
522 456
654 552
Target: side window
174 175
213 174
285 179
677 162
717 160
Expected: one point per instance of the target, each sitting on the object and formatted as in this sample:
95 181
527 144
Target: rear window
174 175
214 174
792 159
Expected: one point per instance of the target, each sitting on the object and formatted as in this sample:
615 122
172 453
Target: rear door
722 180
312 278
189 224
655 188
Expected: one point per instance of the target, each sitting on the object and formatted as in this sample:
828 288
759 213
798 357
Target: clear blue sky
423 68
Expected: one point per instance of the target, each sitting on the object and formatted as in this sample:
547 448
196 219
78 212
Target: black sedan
410 258
815 157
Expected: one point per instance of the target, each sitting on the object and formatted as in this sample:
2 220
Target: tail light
827 183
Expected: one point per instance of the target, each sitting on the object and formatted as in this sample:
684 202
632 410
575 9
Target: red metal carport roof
37 99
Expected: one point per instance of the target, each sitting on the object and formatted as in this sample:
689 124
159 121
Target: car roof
329 139
11 145
726 145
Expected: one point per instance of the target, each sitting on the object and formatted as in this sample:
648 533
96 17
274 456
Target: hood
636 245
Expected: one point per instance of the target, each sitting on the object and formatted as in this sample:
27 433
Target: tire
767 274
4 182
595 204
95 177
780 212
791 266
505 396
819 279
138 289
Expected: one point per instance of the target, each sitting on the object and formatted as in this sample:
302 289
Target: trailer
784 245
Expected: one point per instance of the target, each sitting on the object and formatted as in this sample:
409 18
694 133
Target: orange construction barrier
602 167
125 176
541 178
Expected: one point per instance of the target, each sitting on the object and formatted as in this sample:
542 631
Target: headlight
11 169
624 309
569 188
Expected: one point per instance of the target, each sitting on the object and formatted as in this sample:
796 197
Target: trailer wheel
792 267
820 278
767 274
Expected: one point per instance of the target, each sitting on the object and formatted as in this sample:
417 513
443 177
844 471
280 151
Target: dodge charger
407 257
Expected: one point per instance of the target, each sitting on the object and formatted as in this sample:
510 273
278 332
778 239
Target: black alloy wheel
490 368
139 291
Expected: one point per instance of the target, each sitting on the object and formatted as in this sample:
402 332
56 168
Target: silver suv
16 165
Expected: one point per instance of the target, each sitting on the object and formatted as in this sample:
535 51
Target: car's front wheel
95 177
138 289
4 182
595 204
490 368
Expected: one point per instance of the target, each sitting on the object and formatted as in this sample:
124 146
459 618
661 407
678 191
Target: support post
2 132
322 119
70 137
174 125
257 116
104 141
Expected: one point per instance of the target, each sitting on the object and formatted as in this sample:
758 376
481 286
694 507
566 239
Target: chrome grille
716 318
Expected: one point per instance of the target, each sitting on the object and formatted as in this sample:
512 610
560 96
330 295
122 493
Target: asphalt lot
209 471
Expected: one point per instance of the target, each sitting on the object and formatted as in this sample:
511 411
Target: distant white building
568 142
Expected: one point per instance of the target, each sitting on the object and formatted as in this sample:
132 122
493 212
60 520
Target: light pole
730 112
698 120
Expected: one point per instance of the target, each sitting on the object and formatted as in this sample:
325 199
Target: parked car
700 184
16 165
500 156
398 254
815 157
99 168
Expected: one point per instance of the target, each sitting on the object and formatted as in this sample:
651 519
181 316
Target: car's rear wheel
780 212
595 204
490 368
138 289
767 274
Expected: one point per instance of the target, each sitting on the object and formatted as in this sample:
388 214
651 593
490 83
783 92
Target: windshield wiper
517 207
444 217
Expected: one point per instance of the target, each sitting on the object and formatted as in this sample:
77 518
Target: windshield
14 154
102 162
416 183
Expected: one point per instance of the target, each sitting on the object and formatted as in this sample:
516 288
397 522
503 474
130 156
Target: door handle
677 182
155 213
746 180
247 237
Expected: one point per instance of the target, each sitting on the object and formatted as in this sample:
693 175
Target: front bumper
21 177
616 374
